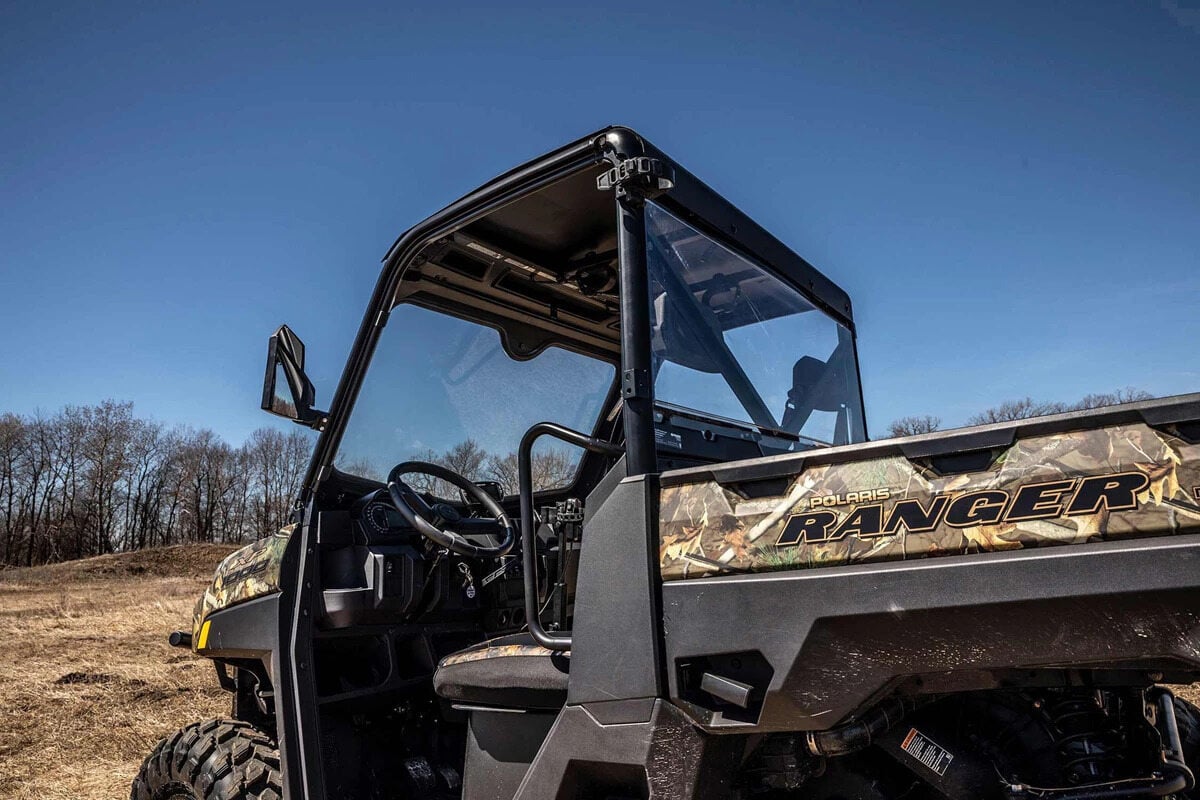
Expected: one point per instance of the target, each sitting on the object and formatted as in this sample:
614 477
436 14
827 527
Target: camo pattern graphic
1121 482
244 575
483 653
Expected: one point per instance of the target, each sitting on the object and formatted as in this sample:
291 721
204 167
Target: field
88 683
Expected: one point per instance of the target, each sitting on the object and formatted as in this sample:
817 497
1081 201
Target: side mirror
287 391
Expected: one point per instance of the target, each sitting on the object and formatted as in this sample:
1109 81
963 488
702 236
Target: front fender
247 574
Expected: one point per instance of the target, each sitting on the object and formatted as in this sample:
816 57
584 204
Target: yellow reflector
203 642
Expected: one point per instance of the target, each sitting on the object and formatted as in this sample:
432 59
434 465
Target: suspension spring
1088 740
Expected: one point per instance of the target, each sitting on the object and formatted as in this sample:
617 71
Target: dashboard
380 570
376 518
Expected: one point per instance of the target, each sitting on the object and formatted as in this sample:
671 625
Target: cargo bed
1050 550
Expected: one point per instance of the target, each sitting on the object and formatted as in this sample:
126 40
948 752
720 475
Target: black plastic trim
617 600
840 638
245 630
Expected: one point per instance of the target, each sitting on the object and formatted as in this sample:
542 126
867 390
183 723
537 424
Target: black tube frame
559 641
637 386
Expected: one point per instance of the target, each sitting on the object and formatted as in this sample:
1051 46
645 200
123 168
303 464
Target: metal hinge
647 174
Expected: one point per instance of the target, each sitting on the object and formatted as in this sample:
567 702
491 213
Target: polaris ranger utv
731 592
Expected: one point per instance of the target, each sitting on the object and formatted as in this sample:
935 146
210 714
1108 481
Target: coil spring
1088 740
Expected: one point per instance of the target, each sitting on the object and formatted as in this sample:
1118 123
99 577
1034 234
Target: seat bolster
490 650
509 672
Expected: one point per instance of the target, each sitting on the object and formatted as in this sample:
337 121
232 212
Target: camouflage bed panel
1119 482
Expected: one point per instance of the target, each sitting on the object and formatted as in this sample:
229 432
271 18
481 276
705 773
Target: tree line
550 468
1024 408
91 480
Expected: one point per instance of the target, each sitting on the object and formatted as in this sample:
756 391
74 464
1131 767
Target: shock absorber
1088 736
1091 754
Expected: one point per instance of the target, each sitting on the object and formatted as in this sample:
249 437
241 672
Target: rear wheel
219 759
1187 716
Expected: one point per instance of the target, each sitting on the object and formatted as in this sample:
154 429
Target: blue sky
1009 192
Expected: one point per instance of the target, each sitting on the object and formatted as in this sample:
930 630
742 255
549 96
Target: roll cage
578 213
551 218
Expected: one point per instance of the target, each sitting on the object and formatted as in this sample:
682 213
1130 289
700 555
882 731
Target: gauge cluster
382 518
378 520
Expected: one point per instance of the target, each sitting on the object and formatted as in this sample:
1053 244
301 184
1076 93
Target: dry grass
1189 692
88 683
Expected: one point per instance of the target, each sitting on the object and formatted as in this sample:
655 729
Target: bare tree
146 482
107 431
46 469
275 463
466 458
911 426
1119 397
364 468
1028 407
1011 410
552 468
12 443
503 470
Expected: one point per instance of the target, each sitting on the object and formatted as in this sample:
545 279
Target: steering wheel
442 523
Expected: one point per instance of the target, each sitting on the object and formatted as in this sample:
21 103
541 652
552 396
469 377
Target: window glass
730 339
442 389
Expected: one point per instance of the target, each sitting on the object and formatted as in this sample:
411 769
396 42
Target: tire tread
217 759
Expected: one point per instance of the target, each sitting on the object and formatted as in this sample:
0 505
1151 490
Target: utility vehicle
684 572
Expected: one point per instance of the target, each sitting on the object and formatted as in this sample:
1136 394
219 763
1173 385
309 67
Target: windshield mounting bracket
635 383
642 176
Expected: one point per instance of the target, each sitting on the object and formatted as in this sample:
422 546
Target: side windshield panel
732 340
442 389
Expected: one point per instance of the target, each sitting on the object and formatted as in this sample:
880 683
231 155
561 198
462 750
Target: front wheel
219 759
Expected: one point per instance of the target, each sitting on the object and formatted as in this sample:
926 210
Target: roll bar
560 641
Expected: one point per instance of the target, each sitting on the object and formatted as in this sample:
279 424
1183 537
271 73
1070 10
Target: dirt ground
88 683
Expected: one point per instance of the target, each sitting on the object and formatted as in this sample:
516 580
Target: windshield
442 389
730 339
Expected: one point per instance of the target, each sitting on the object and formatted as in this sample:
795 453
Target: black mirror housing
285 364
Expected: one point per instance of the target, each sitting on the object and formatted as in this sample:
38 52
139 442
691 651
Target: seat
508 672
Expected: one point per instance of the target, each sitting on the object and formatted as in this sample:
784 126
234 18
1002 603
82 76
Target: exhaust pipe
855 736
